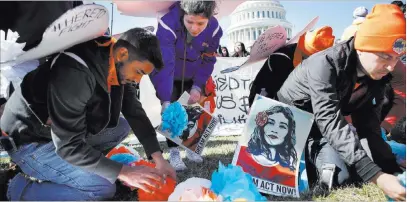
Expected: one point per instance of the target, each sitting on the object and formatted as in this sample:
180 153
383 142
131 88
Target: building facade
251 18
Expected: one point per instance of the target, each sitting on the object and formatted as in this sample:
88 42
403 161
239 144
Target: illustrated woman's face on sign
192 127
194 113
276 129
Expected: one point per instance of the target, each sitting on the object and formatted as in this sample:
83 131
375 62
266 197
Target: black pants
176 94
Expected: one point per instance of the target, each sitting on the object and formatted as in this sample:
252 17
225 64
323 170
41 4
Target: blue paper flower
302 176
399 150
232 183
174 119
124 158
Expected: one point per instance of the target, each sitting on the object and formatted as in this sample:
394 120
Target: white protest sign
151 104
232 94
271 40
76 26
268 42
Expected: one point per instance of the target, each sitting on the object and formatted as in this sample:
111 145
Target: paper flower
129 156
174 119
261 119
399 150
194 189
122 149
126 159
232 183
10 49
160 194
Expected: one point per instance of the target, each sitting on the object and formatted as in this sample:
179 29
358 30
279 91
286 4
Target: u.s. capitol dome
251 18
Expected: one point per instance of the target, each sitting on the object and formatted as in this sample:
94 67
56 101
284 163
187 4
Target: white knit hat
360 12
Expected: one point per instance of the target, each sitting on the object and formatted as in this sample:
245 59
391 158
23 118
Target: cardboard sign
200 127
271 146
76 26
269 42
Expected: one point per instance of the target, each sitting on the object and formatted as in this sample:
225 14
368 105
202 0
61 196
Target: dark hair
220 49
285 152
400 4
142 45
197 7
244 51
194 113
397 3
227 51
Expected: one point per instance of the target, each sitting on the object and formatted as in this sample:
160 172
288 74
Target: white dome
252 18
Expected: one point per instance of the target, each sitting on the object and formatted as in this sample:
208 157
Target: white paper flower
14 74
194 189
10 49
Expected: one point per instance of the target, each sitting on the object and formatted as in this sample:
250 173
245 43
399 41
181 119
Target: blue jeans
61 180
320 152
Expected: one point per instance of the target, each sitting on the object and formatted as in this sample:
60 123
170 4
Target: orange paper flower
161 194
118 150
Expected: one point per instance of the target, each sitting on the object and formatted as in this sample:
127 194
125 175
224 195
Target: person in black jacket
65 117
349 79
283 61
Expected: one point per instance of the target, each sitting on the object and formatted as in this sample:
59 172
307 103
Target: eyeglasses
388 57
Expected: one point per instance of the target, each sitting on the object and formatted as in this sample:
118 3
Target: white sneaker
176 161
192 156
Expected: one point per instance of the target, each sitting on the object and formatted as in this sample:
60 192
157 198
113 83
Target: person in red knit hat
349 79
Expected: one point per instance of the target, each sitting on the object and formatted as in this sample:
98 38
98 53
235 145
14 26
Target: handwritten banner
80 24
232 94
268 42
79 20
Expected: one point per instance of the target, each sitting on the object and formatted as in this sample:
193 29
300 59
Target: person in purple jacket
189 36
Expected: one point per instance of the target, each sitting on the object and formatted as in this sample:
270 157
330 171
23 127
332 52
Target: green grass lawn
222 149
